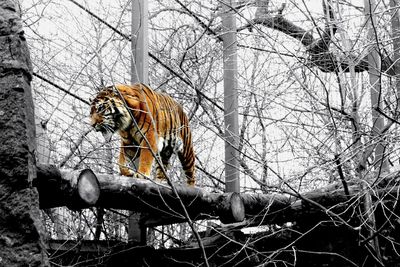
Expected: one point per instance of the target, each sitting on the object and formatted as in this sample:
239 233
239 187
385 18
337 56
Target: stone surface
20 224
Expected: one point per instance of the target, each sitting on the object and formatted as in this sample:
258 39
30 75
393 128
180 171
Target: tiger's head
109 113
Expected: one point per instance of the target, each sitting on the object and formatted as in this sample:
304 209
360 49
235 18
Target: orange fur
149 123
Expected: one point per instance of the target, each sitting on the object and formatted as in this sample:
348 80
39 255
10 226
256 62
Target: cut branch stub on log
88 187
82 189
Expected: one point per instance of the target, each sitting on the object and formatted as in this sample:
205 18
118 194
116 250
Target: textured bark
20 224
81 189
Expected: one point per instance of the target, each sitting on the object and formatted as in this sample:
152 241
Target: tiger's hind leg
165 155
187 161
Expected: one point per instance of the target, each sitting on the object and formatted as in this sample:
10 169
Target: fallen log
79 189
327 203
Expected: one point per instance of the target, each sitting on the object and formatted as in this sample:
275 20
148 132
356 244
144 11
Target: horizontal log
329 202
82 189
79 189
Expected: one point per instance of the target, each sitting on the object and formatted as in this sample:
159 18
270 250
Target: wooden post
231 136
21 226
139 74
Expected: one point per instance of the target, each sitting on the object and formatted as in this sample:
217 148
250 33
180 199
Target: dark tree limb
318 49
283 25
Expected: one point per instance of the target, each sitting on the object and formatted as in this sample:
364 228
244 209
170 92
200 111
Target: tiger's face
109 114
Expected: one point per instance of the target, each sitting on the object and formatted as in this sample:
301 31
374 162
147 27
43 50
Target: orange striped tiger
149 124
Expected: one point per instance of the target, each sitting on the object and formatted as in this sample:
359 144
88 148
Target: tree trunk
21 228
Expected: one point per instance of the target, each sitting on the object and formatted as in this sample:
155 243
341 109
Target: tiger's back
157 125
173 131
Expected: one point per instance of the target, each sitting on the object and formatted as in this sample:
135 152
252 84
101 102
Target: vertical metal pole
374 61
140 42
232 183
374 69
139 74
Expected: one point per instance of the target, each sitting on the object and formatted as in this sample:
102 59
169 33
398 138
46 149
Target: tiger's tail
186 155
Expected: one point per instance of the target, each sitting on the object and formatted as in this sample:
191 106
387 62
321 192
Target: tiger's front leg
146 157
122 162
127 155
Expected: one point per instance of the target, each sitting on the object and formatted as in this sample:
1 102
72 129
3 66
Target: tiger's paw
190 182
127 172
139 176
160 176
160 181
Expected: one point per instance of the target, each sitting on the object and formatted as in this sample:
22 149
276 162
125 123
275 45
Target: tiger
150 124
